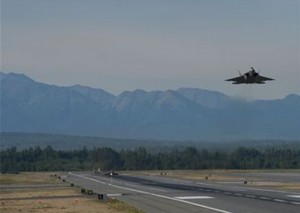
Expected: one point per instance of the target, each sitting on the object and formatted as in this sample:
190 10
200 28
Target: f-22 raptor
251 77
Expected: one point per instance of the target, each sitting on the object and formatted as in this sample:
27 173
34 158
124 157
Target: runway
164 194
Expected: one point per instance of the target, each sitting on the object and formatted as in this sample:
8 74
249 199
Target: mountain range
183 114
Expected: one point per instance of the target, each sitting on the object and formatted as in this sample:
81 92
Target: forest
72 142
49 159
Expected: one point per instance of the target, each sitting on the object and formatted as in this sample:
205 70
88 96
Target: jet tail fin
240 73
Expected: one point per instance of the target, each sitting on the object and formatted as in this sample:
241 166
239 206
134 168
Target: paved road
161 194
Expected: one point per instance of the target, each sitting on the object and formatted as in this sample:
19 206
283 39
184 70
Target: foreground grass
121 206
43 199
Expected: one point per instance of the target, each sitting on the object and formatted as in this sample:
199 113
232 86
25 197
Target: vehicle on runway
251 77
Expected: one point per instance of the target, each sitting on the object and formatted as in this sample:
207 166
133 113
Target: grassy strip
122 206
28 178
63 205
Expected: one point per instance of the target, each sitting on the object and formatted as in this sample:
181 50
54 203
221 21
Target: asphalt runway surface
165 194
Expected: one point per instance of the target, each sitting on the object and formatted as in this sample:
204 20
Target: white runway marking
138 186
153 194
134 185
193 197
296 203
294 196
265 198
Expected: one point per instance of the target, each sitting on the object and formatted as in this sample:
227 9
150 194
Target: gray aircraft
251 77
110 173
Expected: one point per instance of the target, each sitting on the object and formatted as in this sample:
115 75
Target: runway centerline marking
153 194
139 186
295 203
265 198
193 197
294 196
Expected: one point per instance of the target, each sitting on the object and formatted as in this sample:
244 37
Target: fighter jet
100 172
251 77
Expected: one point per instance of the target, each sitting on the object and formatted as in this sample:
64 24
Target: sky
122 45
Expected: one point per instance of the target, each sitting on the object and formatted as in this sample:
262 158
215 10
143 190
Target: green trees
48 159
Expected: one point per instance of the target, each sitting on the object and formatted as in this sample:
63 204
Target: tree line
49 159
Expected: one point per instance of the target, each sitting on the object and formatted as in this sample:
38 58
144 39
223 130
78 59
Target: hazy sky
122 45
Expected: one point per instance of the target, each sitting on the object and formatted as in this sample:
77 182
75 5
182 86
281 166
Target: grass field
29 178
63 199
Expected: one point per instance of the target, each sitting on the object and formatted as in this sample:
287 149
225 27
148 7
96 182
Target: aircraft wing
239 79
262 78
